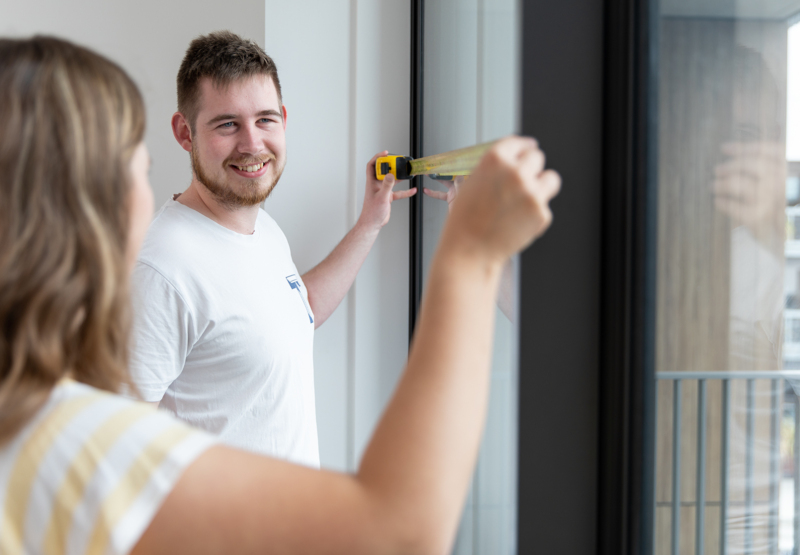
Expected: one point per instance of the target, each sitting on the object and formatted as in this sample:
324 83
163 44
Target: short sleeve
163 332
90 472
142 487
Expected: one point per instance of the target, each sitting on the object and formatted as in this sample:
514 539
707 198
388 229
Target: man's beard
254 192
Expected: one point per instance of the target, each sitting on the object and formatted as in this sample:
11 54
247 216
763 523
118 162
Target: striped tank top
89 473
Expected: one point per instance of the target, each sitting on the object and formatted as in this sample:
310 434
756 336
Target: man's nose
250 140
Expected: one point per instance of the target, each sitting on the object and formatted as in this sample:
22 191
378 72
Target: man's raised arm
328 282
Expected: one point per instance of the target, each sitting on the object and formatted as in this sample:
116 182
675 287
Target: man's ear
182 131
283 109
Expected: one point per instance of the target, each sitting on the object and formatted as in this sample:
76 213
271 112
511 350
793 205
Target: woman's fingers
397 195
440 195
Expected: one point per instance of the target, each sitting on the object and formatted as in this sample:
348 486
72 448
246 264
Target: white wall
344 69
381 322
148 38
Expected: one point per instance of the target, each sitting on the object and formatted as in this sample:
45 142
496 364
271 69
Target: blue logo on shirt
295 283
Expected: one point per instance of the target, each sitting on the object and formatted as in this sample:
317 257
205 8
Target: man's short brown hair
224 57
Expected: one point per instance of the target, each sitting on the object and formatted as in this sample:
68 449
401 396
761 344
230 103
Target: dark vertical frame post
587 288
560 276
626 504
415 151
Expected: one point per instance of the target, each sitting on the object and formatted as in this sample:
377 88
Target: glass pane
727 304
470 88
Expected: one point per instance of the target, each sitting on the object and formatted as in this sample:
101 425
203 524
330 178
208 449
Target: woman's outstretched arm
408 492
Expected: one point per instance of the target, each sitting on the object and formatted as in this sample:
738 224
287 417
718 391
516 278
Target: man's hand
328 282
378 197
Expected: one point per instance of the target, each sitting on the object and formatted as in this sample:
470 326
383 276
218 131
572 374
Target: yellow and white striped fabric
88 474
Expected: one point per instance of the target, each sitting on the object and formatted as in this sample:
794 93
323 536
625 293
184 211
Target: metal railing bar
700 511
774 465
654 520
749 468
737 375
725 450
796 549
676 467
772 506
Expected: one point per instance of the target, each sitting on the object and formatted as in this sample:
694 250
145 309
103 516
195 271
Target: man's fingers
371 165
388 181
397 195
372 160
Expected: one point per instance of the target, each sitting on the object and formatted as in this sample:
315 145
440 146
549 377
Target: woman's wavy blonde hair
71 121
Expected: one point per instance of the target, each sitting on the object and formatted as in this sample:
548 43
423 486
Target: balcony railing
777 387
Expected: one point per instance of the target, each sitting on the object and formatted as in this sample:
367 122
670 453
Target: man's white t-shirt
223 333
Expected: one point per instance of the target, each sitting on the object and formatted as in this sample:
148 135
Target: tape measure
445 166
399 166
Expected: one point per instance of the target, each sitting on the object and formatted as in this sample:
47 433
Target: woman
85 470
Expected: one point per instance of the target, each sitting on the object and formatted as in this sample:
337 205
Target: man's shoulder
264 219
172 220
173 238
267 225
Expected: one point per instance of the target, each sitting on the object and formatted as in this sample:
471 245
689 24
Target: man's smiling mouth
249 169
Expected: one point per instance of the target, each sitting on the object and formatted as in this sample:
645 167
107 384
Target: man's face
239 141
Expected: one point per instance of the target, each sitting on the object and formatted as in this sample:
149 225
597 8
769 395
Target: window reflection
728 283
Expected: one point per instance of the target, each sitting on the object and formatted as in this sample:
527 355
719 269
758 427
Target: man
224 324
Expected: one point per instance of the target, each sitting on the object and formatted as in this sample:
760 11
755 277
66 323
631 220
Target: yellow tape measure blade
455 162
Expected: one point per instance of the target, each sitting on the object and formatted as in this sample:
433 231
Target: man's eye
227 124
266 120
